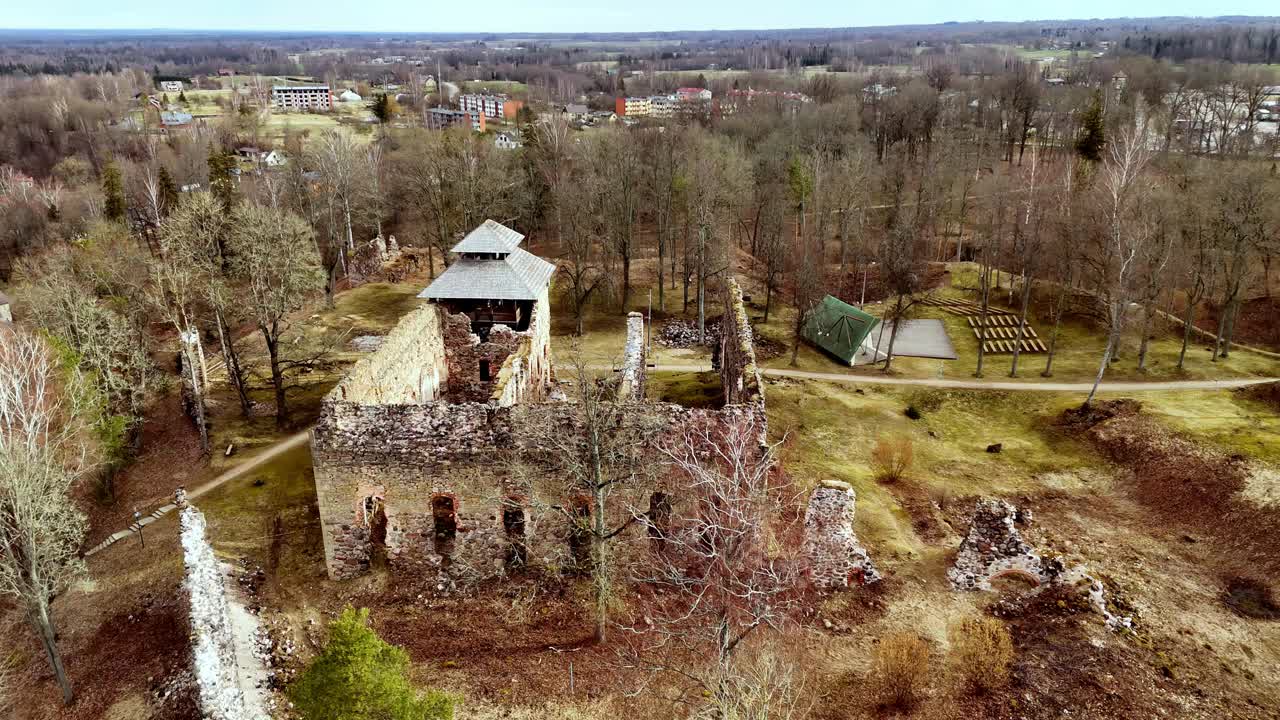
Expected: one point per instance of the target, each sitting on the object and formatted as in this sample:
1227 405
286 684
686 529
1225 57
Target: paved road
976 384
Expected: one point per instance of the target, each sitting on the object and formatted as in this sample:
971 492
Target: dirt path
256 461
1162 386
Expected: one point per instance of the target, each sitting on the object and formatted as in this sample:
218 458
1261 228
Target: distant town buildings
683 102
691 94
302 97
441 118
173 86
492 106
174 118
577 112
737 99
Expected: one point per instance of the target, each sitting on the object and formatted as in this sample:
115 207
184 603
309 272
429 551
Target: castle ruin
430 454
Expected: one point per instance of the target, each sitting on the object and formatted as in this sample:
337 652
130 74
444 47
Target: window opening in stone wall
375 517
580 534
484 370
513 526
659 519
445 523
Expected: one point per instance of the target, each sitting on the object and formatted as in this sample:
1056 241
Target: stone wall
469 359
409 367
631 384
737 353
213 643
486 455
994 548
835 558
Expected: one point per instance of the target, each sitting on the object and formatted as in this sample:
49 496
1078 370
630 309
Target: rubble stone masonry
836 559
460 486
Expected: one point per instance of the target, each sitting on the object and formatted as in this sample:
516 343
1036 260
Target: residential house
302 97
273 158
440 118
506 141
577 112
172 86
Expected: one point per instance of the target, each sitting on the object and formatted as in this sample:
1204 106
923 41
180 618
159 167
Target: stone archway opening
375 519
444 515
1014 579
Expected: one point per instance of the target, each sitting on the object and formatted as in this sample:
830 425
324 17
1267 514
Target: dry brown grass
900 671
891 458
981 654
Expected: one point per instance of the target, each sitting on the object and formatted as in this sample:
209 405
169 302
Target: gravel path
982 384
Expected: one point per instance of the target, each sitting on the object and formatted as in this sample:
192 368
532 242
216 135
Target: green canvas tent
838 328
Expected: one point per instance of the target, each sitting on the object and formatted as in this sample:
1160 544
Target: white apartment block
662 106
494 107
302 97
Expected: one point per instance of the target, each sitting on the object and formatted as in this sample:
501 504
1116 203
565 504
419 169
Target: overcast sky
573 16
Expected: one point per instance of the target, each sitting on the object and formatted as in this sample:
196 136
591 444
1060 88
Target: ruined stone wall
525 375
409 367
631 384
737 352
485 459
835 558
487 454
467 357
214 655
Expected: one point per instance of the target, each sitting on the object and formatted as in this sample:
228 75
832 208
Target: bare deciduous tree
43 452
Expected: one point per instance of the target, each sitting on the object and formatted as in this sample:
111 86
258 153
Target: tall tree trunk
1231 327
1057 326
1188 326
1112 338
984 280
1022 319
43 626
231 359
277 374
197 394
600 564
1144 342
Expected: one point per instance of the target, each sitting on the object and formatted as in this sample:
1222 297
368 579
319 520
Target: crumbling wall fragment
836 559
213 645
736 356
631 384
994 548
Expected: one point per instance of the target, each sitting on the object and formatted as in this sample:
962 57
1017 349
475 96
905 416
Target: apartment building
494 107
633 107
302 97
662 106
441 118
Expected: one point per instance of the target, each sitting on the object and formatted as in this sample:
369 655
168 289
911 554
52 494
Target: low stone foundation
836 559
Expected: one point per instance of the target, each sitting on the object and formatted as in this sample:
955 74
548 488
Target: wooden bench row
995 320
1007 346
1004 333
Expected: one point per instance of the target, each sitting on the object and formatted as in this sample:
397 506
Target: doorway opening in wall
484 370
375 516
513 526
580 534
659 519
444 524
